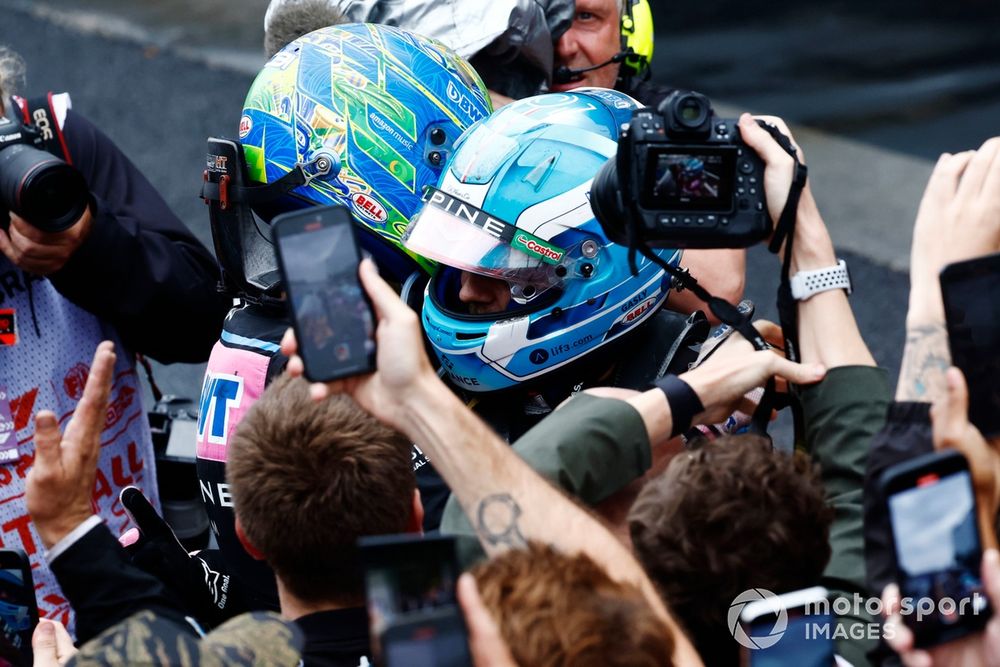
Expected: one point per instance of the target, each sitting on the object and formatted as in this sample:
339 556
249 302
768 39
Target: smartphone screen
333 320
794 628
412 606
806 642
18 609
938 555
972 310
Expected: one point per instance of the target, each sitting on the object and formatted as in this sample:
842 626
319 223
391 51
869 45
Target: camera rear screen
973 314
16 618
690 179
938 551
334 321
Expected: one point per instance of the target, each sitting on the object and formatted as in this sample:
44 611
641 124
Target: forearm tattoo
925 360
497 519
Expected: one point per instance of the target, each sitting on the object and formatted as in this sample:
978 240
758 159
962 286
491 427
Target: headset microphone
565 74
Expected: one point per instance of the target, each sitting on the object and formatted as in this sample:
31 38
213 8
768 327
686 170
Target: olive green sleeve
591 447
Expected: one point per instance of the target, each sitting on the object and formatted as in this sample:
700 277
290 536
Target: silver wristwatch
807 283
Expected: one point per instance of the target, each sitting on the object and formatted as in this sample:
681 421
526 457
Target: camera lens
45 191
690 111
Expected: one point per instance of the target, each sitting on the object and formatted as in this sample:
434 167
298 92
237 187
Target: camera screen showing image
938 552
690 179
412 604
17 619
334 322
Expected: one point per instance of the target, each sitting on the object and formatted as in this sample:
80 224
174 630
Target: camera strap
729 314
41 114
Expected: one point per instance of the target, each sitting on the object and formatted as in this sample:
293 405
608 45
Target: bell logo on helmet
639 311
246 124
538 357
368 208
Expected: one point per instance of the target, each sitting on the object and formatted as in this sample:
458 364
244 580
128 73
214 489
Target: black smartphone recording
932 509
334 323
972 311
18 608
415 617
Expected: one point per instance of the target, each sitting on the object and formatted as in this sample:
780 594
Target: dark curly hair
733 515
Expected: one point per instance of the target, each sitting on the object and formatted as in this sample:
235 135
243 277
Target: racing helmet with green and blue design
370 113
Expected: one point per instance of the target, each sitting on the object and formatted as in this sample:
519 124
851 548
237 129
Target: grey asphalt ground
160 78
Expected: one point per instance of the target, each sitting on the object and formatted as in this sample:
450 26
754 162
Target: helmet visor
458 234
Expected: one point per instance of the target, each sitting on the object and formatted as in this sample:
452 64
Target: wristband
684 403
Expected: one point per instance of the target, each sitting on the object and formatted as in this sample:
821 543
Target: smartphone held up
938 550
318 255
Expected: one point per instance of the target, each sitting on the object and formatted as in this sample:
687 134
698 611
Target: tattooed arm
925 360
959 218
507 502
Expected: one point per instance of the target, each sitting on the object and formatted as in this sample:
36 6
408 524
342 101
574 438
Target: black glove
207 594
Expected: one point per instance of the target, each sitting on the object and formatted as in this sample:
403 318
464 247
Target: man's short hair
291 19
308 479
733 515
553 609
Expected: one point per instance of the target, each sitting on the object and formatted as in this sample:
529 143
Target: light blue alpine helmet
514 205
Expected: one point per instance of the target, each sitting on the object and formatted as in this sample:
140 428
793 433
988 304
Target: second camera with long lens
39 187
683 178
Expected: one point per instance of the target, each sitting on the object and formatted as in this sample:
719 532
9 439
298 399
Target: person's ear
416 522
246 543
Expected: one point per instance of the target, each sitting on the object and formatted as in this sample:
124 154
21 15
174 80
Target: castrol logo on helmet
246 124
368 208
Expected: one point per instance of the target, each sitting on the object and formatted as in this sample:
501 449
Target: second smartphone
932 509
318 256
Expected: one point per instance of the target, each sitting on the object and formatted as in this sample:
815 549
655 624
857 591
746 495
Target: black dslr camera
683 178
36 185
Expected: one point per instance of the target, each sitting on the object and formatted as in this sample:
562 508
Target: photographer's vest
46 346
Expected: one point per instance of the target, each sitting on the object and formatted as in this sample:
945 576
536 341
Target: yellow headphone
637 37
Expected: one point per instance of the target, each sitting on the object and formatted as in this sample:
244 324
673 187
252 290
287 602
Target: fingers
47 439
384 299
763 143
796 373
979 167
88 419
485 642
289 346
6 247
950 414
991 575
43 644
64 643
991 182
782 127
51 644
947 173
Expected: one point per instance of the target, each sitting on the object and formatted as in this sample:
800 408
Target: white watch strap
807 283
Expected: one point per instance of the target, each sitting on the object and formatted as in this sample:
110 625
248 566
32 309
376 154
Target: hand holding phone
932 510
18 608
318 256
972 310
412 603
790 629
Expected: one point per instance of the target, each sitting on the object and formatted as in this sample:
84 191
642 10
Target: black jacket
140 269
